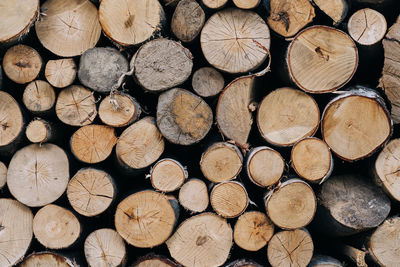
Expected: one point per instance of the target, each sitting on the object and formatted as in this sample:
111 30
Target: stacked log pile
199 133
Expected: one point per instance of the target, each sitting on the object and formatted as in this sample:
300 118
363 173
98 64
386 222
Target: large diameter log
335 9
229 199
15 231
187 20
324 261
3 175
38 175
214 4
60 73
151 260
39 131
207 82
39 97
119 110
131 22
145 219
69 28
287 115
183 117
193 195
233 48
47 258
350 137
202 240
167 175
321 59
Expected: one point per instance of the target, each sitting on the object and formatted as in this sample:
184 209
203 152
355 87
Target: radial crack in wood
39 97
61 72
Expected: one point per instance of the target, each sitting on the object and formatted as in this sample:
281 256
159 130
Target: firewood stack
199 133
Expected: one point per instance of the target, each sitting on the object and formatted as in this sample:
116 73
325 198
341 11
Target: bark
324 261
187 20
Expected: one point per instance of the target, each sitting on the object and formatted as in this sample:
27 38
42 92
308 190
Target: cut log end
187 20
61 72
12 123
335 9
193 195
229 199
39 97
214 4
167 175
207 82
246 4
153 260
119 110
3 175
47 259
38 131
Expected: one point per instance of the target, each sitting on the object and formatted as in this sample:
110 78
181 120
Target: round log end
39 96
119 110
12 122
167 175
207 82
37 131
61 72
193 195
187 20
229 199
214 4
47 258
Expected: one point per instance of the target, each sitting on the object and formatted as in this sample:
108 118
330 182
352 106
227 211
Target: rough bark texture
187 20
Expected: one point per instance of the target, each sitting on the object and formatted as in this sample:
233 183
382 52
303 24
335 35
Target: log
15 231
336 9
154 260
323 48
100 68
312 160
287 18
253 230
91 191
145 219
47 258
3 175
207 82
69 28
130 22
161 64
187 20
39 131
355 255
139 139
39 97
264 166
214 4
324 261
221 162
193 195
201 240
233 48
243 263
229 199
105 248
367 26
60 73
119 110
167 175
287 115
93 143
38 175
76 106
290 248
183 117
246 4
56 227
22 63
349 137
291 205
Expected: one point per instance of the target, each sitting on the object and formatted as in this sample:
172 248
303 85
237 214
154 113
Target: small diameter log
47 258
233 48
349 137
202 240
187 20
38 174
145 219
229 199
253 230
3 175
290 248
76 106
100 68
39 131
324 261
335 9
69 28
264 166
15 231
167 175
91 191
221 162
193 195
39 97
105 248
287 115
312 160
321 48
131 22
288 17
207 82
292 205
22 63
119 110
55 227
61 72
161 64
367 26
243 263
183 117
246 4
214 4
93 143
140 145
151 260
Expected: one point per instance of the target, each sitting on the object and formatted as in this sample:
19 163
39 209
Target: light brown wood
145 219
93 143
60 72
207 82
253 230
167 175
292 205
119 110
105 248
140 144
39 97
221 162
38 131
91 191
152 260
288 17
228 40
335 9
76 106
193 195
38 174
246 4
131 22
202 240
287 115
55 227
290 248
187 20
69 28
321 59
214 4
15 231
22 63
47 258
3 175
229 199
11 120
